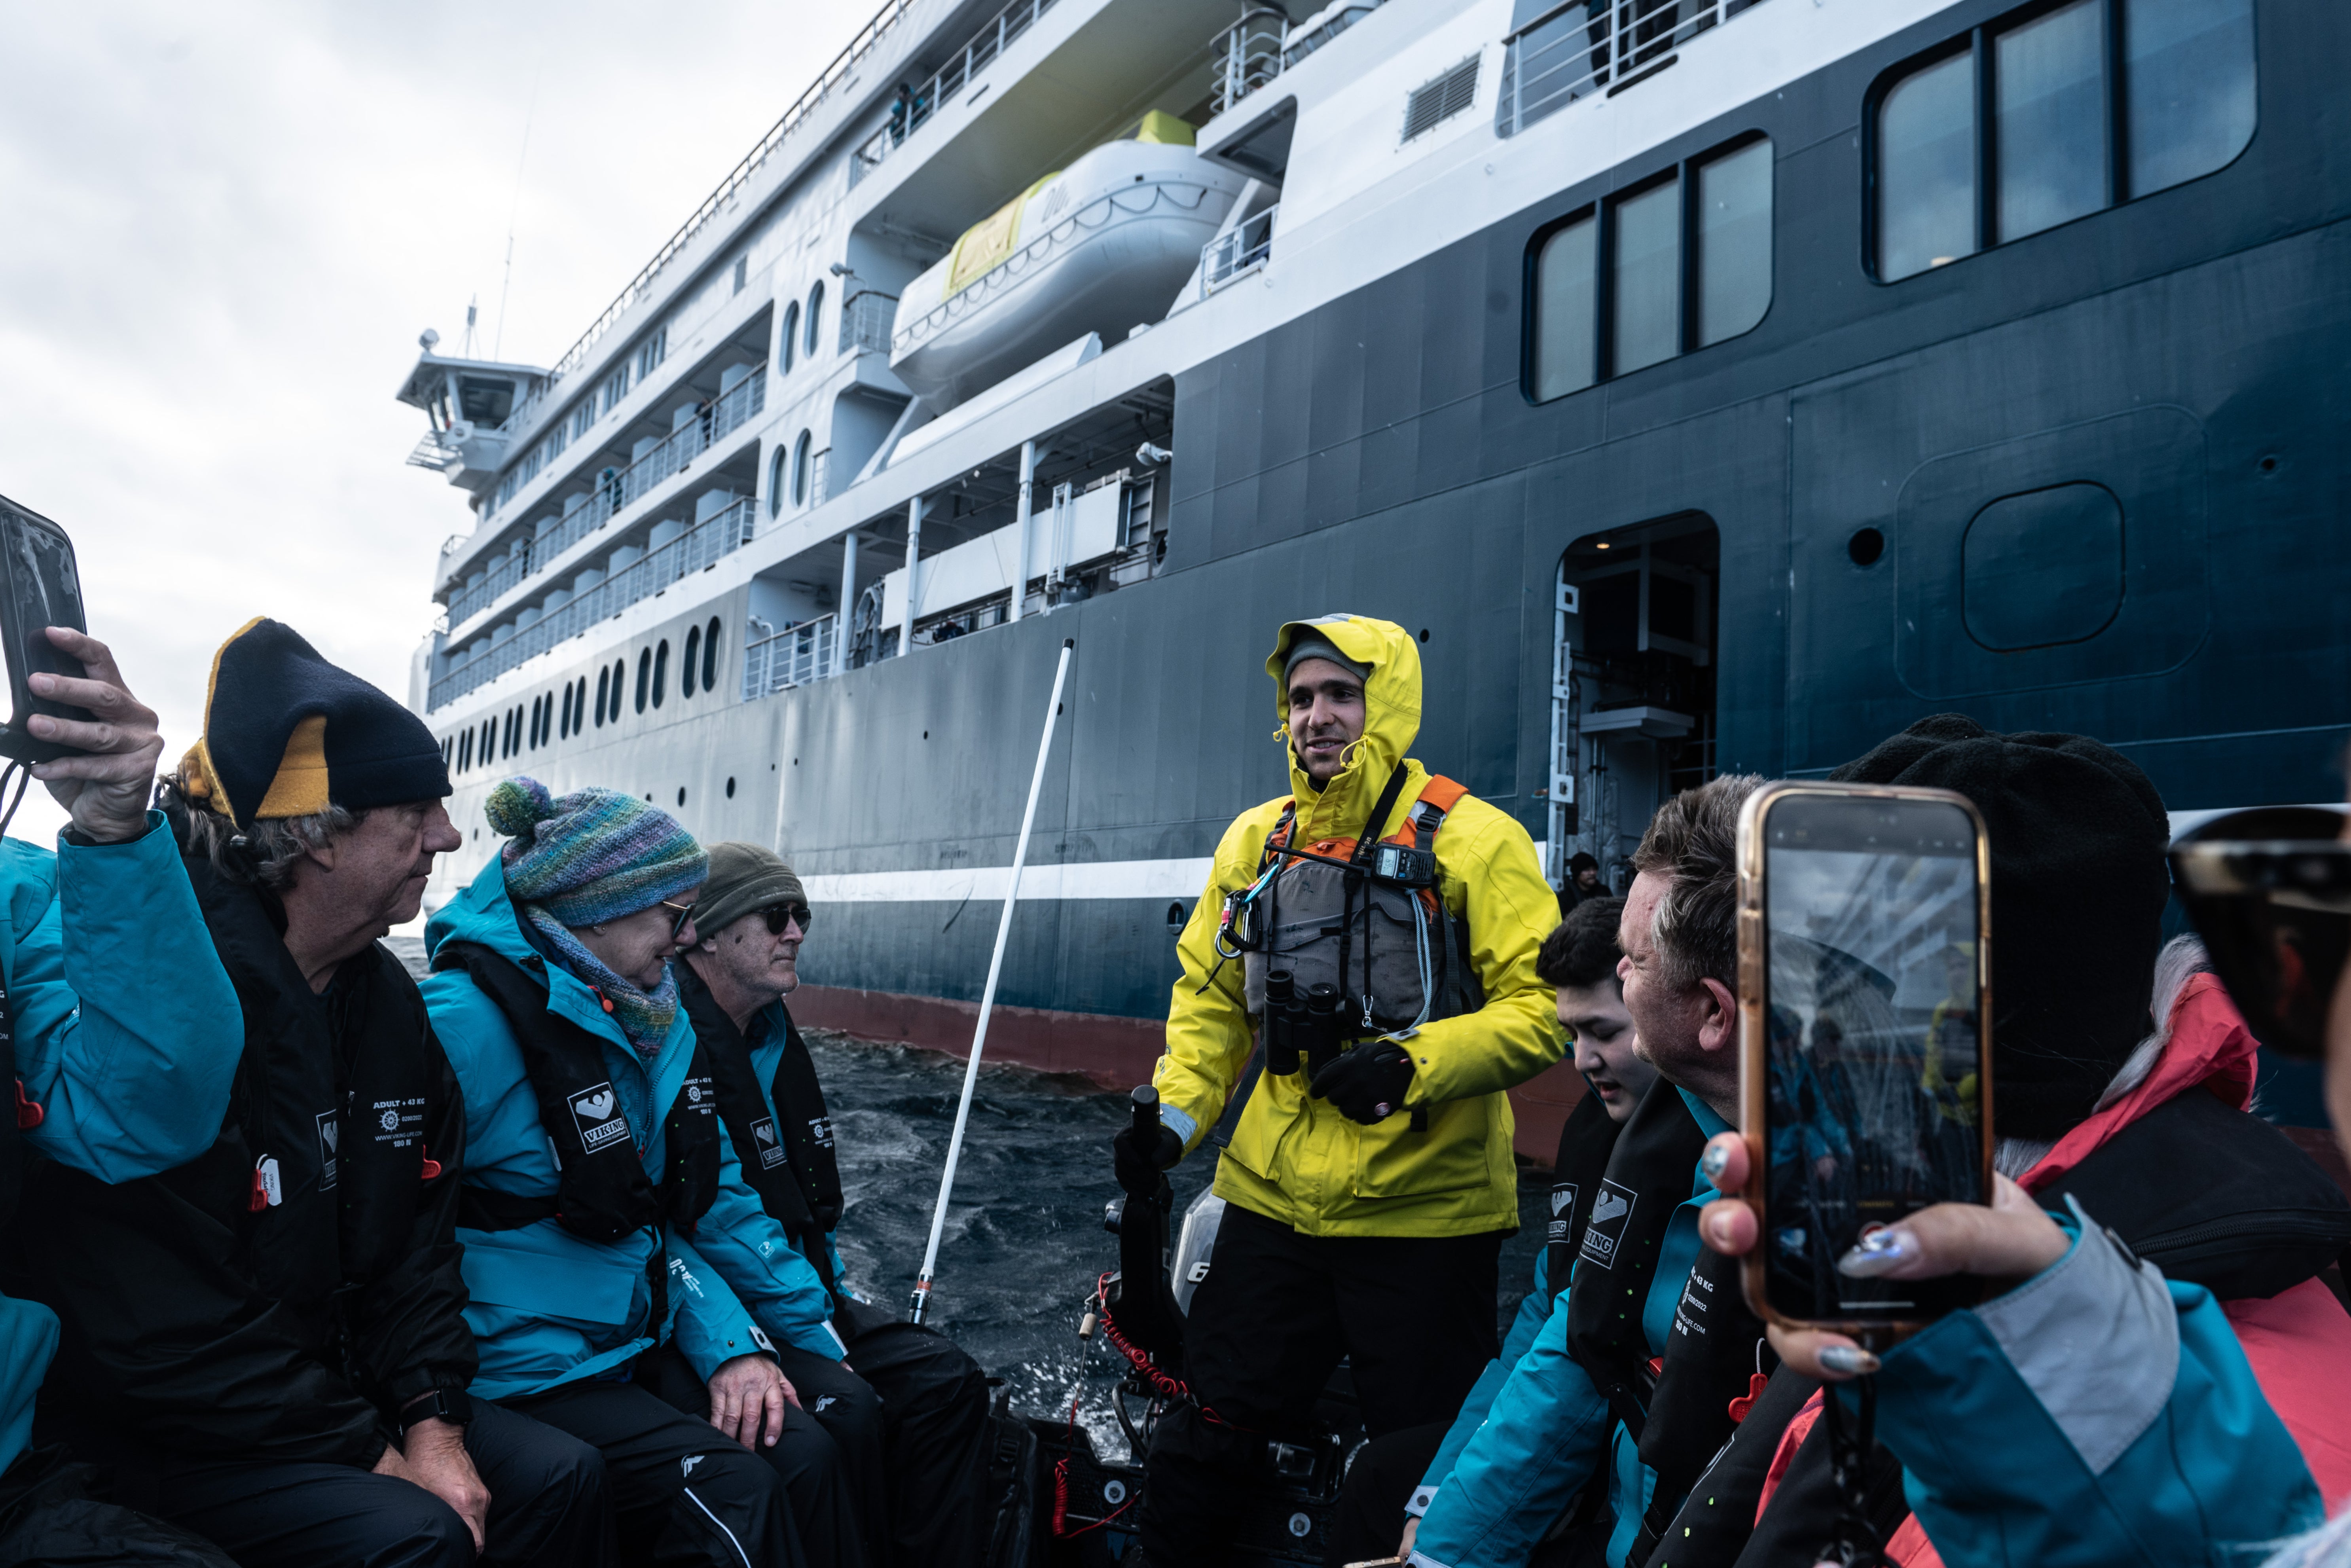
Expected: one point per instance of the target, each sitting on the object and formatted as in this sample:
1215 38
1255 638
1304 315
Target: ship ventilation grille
1436 102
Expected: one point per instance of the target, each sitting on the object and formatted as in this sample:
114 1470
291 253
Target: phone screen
1873 1100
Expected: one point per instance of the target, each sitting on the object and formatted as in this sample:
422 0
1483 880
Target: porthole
778 476
730 788
681 794
789 339
815 308
644 680
661 671
710 655
1866 546
603 690
686 669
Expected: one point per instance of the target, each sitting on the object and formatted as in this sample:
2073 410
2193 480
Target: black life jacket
792 1167
1684 1406
1584 1145
602 1194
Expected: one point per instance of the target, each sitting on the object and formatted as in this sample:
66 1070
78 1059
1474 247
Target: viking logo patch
1562 1206
396 1123
698 1094
771 1149
597 1114
822 1127
1611 1211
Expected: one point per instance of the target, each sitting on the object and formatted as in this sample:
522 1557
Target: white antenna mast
515 208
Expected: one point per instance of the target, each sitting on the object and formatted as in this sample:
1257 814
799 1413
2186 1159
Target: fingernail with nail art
1714 1162
1848 1360
1879 1252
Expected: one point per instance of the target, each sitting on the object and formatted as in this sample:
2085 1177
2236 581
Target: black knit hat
2078 885
286 734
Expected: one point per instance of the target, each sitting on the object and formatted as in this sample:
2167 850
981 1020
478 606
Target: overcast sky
222 228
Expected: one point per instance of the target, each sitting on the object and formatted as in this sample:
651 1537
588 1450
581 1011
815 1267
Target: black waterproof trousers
1414 1314
821 1496
547 1506
1381 1479
48 1517
935 1440
683 1494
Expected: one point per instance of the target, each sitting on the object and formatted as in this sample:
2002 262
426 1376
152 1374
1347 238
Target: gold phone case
1754 1041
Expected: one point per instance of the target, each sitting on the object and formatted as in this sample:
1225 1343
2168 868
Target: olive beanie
743 878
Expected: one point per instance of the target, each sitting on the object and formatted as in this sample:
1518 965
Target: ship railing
1241 249
436 450
1249 56
915 106
618 489
778 661
699 548
1579 48
865 319
817 91
1133 200
1259 47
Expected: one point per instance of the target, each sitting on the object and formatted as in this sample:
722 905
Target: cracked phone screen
1874 1105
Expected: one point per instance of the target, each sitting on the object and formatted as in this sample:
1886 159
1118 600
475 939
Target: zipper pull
268 1192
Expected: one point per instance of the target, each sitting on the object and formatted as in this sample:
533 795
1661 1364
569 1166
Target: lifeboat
1100 247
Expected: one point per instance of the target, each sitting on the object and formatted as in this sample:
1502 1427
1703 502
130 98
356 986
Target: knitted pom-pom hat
593 855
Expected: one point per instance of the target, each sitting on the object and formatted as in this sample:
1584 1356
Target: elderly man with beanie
265 1342
1369 1177
2122 1081
911 1417
626 1285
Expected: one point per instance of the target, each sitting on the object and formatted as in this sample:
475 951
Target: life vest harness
1346 938
602 1192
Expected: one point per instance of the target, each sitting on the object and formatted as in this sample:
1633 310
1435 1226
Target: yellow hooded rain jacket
1294 1158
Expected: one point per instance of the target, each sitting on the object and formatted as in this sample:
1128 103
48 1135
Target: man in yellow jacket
1369 1191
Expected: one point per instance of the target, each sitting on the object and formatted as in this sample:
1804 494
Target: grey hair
264 853
1693 844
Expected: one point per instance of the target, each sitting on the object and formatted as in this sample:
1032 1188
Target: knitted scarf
644 1017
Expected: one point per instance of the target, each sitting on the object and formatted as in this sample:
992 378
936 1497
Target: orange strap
1439 792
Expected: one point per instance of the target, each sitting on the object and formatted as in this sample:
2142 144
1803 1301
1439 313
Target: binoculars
1310 1026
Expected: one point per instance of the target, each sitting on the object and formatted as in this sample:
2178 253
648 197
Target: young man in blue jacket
124 1040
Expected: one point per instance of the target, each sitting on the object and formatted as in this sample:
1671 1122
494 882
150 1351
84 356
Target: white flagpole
920 1307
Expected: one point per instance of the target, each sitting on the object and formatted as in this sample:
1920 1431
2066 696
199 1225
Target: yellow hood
1391 720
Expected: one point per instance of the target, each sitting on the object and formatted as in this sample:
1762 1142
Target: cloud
226 228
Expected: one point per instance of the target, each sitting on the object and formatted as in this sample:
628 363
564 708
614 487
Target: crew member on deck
1370 1176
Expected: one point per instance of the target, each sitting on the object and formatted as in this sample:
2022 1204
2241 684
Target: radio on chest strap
602 1192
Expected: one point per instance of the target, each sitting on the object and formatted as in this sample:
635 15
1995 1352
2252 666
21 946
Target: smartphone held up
40 587
1865 1047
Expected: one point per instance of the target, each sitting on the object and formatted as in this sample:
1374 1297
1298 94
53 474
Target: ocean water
1024 1241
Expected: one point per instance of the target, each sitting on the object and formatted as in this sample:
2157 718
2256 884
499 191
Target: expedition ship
1708 383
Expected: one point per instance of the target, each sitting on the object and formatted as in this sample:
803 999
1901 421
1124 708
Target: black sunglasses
777 916
685 914
2269 891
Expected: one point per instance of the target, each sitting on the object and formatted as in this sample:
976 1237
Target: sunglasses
685 914
778 916
2269 891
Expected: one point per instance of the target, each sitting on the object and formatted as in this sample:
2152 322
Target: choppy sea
1024 1240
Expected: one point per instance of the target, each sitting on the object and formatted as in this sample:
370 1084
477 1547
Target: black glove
1139 1172
1366 1083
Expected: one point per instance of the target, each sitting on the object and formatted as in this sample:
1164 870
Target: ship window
801 470
603 690
484 400
2190 64
1645 278
1565 282
710 655
742 271
464 751
2049 95
661 671
563 715
1688 266
776 481
619 683
1733 243
2182 102
580 707
808 332
644 675
686 665
789 343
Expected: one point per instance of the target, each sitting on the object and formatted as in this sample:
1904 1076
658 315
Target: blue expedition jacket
765 1058
2096 1414
1535 1429
128 1037
547 1307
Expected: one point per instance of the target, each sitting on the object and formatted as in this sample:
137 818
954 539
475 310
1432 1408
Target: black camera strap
1853 1541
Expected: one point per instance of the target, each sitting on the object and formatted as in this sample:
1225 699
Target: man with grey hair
1653 1389
265 1343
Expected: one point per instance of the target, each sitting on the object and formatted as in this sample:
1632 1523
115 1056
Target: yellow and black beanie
286 734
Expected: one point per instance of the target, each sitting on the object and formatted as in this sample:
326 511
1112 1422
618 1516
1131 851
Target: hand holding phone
1865 1063
106 777
2013 1239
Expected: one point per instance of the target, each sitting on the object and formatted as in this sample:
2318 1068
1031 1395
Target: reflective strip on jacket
548 1306
127 1035
1296 1159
